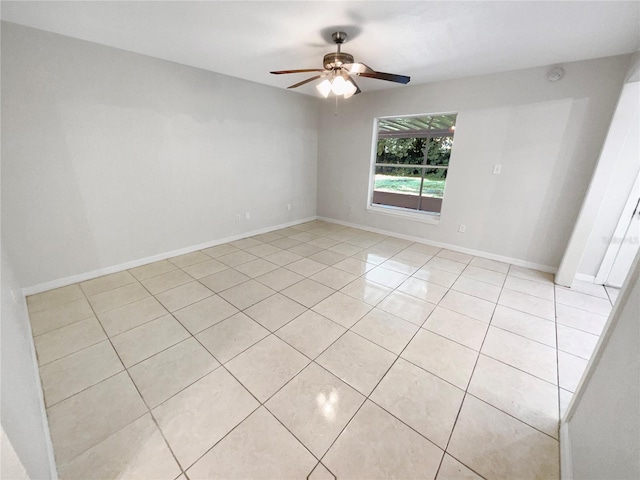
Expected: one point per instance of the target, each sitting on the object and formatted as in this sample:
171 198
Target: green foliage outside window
410 151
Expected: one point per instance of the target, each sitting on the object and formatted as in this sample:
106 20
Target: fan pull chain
336 112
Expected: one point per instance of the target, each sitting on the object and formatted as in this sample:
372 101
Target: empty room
320 240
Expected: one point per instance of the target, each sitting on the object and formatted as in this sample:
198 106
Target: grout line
471 377
137 390
63 326
141 397
367 397
555 311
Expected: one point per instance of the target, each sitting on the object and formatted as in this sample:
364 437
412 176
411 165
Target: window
410 164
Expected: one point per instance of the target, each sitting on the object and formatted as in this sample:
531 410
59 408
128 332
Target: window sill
430 218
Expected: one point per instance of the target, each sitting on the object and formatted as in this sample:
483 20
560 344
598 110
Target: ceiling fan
339 70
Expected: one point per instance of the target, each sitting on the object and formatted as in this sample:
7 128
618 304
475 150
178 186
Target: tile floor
316 351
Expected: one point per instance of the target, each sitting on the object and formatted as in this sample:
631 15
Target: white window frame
420 216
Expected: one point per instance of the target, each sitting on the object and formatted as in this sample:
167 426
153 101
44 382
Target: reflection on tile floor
315 351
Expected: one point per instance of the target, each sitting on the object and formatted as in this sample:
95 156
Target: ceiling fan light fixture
324 88
339 72
339 85
349 90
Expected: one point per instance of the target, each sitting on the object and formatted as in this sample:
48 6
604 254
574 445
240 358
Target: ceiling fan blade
390 77
306 81
357 68
304 70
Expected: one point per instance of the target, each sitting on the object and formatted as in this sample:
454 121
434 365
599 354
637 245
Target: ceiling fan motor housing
335 59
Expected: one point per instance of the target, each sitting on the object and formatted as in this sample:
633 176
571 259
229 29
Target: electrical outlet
247 216
238 217
462 228
288 206
497 169
351 208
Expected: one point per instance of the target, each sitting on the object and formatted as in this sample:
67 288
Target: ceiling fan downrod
335 60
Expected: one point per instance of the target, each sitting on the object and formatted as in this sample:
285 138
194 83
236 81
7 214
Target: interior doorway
624 244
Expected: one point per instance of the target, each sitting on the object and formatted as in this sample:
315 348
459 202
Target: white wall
22 412
601 431
110 156
620 164
11 467
547 137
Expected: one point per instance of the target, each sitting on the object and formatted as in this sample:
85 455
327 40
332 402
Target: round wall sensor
555 74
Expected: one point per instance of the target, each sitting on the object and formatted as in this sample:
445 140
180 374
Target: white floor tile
223 280
476 288
497 445
232 336
520 352
570 370
136 451
457 327
366 291
407 307
132 315
205 268
260 448
376 445
307 292
141 342
264 368
386 330
57 316
468 305
166 373
452 469
582 301
524 324
275 311
517 393
67 340
199 416
315 406
184 295
484 275
431 274
487 264
357 361
53 298
89 417
442 357
422 400
205 313
580 319
576 342
531 287
528 304
310 319
78 371
106 283
310 333
246 294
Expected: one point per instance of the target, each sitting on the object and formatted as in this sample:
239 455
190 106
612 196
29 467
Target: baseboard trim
455 248
585 278
41 404
81 277
566 463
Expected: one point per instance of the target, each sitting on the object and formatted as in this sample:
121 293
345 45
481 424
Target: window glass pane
434 180
398 180
407 151
439 150
411 161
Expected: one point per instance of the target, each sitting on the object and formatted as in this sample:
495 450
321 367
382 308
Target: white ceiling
426 40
